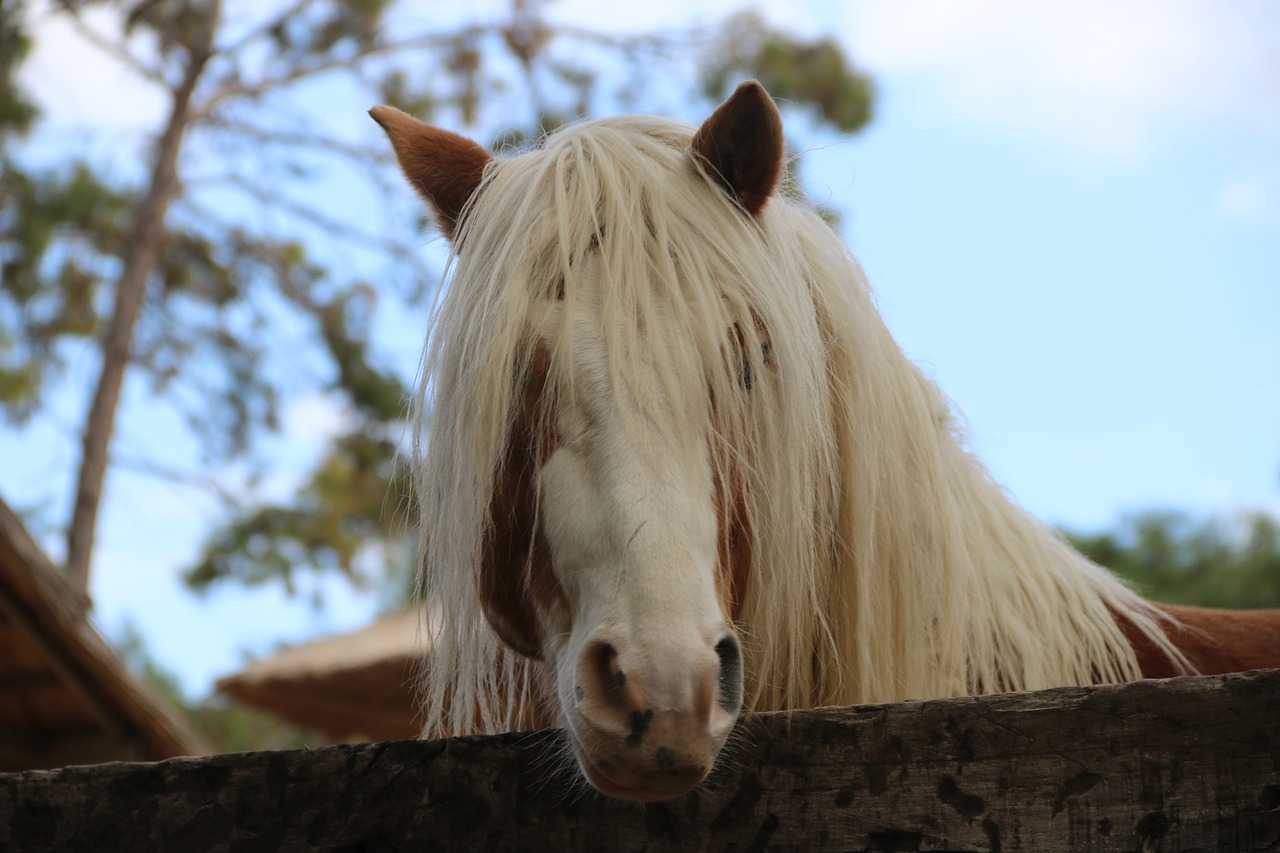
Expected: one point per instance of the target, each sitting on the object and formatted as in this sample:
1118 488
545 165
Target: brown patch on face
734 551
736 537
516 576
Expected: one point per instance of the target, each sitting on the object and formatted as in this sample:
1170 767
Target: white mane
887 565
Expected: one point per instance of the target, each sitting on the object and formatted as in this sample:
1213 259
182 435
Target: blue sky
1070 214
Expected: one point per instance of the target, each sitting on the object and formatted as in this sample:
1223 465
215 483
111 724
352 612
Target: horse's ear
741 145
442 166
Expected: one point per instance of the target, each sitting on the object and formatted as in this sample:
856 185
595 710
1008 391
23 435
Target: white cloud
1103 74
1249 199
318 416
1107 75
81 86
652 16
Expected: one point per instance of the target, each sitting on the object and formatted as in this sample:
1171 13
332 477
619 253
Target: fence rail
1183 764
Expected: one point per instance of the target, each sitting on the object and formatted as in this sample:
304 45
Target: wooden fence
1177 765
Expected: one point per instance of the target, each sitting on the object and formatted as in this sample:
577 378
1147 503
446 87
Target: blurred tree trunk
141 255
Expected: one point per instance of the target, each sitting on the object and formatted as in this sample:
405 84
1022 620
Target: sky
1070 213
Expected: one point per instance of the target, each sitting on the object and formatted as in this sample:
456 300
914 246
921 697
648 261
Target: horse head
615 544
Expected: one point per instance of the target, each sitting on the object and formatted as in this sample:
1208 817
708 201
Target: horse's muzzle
648 726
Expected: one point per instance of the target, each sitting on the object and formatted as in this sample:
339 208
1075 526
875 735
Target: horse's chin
620 771
647 790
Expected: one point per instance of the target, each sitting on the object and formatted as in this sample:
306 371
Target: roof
345 686
65 696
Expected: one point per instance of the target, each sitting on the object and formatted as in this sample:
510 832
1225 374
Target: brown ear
444 167
741 145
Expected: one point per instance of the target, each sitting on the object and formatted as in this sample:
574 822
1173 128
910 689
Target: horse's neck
1029 611
1014 545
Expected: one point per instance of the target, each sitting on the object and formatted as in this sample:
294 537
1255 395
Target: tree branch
333 227
327 144
258 88
206 484
265 29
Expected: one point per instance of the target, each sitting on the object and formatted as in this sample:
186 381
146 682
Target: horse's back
1214 640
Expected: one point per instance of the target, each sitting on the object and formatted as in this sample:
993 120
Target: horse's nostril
730 673
604 667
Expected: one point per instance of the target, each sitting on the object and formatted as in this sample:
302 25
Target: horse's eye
747 377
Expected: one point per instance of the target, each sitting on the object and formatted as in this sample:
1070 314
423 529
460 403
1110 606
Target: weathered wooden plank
1184 764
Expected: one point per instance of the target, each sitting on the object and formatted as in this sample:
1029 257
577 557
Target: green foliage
224 727
379 394
228 727
356 502
59 236
1175 559
16 112
133 651
813 73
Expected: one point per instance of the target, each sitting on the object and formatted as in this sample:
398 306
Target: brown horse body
1214 641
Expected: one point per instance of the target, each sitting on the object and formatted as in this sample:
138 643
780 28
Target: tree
224 726
161 282
151 274
1176 559
17 381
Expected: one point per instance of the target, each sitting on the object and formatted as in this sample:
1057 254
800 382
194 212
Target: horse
672 467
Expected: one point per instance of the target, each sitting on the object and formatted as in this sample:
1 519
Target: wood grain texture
1183 764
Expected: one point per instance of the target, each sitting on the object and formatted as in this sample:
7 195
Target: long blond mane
887 565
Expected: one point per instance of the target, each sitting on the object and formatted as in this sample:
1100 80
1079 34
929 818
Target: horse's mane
887 565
